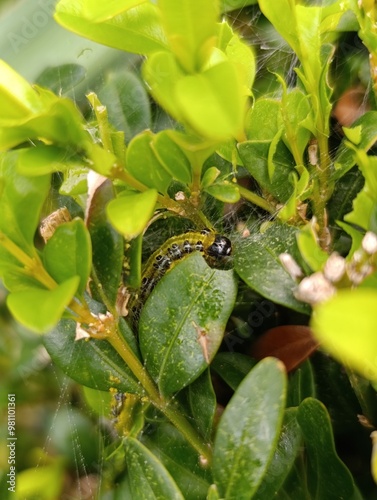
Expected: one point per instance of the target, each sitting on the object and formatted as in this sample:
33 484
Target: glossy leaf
92 363
183 321
346 326
130 214
148 477
202 401
68 253
190 26
127 103
212 102
172 157
43 160
107 243
21 202
232 367
135 30
288 447
144 165
224 191
180 459
257 262
301 385
248 431
40 310
97 12
328 477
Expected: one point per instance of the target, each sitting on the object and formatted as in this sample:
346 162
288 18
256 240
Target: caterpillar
214 247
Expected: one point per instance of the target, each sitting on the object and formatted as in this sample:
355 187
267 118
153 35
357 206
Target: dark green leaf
148 477
328 477
40 310
180 459
257 263
108 248
301 384
232 367
183 321
61 79
285 455
202 401
68 253
248 431
93 363
171 156
127 103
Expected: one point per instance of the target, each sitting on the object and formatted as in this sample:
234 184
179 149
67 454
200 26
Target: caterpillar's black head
221 247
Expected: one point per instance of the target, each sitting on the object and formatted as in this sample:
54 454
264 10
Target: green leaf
43 160
135 30
21 201
257 262
172 157
224 191
130 213
144 165
202 401
209 177
40 310
183 321
162 72
245 442
327 475
228 5
108 247
92 363
232 367
212 102
62 79
311 252
127 103
18 99
148 477
336 322
190 26
296 109
180 459
68 253
301 384
288 447
98 12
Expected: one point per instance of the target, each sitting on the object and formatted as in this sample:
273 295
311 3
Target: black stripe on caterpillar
214 247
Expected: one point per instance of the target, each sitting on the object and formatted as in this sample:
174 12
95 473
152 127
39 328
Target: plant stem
172 413
257 200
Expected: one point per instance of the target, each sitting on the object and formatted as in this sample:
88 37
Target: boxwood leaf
257 262
335 322
183 322
202 401
130 213
180 459
144 165
327 475
148 477
107 243
212 102
224 191
232 367
93 363
190 26
98 12
248 431
40 310
286 452
68 253
135 30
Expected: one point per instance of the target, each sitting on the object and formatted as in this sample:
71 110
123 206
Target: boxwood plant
231 122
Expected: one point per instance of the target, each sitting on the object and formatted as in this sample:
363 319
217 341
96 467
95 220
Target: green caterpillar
214 247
